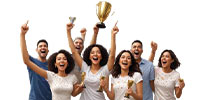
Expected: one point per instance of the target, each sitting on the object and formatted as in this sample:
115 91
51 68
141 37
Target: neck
95 67
62 73
138 60
124 72
166 69
42 59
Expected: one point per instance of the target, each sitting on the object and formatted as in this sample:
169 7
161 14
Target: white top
120 85
165 84
61 87
92 82
77 71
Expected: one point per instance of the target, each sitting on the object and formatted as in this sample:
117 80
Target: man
40 89
147 69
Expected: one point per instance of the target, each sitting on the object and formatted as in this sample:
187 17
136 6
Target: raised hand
96 29
83 31
154 46
115 29
69 26
24 28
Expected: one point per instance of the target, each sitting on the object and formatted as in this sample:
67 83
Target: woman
60 64
167 79
94 62
125 68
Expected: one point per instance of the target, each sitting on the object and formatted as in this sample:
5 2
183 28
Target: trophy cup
130 83
103 9
83 74
72 19
180 80
100 87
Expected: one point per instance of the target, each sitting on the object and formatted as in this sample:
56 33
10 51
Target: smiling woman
60 64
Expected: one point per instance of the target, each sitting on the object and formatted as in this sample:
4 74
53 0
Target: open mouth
62 65
164 62
43 51
95 58
136 52
125 63
78 47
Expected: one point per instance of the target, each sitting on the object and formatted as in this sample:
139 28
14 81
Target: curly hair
52 61
134 67
104 54
174 65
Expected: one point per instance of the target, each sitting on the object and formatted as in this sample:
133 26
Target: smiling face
78 43
166 60
61 62
125 61
136 50
95 56
42 50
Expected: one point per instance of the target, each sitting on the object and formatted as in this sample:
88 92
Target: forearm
109 94
24 51
136 96
178 92
112 52
152 55
94 39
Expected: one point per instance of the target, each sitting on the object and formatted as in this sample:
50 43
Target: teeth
95 58
125 63
136 52
43 51
62 64
77 47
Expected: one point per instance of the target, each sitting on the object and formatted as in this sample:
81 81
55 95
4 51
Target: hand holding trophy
130 83
83 74
103 9
72 19
100 87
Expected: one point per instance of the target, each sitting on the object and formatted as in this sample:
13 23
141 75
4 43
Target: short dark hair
42 40
52 61
104 54
174 65
80 38
134 67
137 41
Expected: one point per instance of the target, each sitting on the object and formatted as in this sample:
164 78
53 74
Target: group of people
59 77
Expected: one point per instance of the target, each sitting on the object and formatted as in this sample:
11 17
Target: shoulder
146 62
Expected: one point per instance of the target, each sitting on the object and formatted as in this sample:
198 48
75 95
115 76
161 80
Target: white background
173 24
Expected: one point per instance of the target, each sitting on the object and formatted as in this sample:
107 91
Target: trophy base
99 91
126 96
84 86
101 25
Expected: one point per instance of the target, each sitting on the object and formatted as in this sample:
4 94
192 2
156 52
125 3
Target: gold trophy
180 80
100 87
72 19
130 83
83 74
103 9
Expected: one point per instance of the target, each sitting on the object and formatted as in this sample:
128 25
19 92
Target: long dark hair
52 61
174 65
134 67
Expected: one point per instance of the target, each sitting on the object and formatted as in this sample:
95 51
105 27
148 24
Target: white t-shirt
61 87
165 84
120 85
77 71
92 82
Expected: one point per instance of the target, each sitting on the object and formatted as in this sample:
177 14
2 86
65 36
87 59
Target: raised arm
153 51
112 51
83 33
75 54
25 55
94 37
